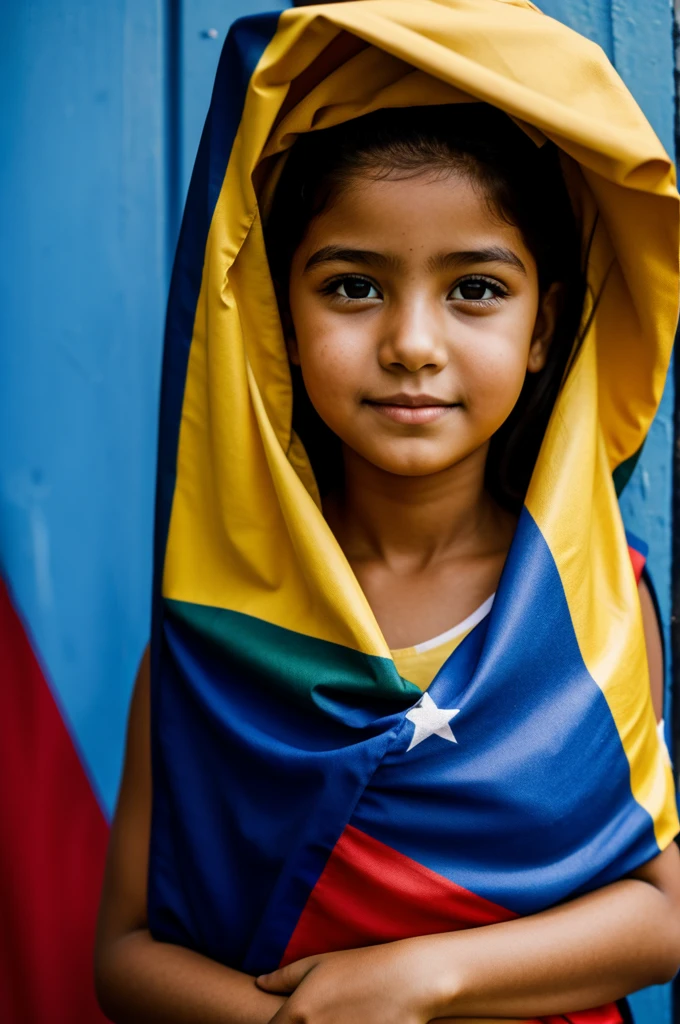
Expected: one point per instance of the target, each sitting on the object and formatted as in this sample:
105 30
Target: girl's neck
408 523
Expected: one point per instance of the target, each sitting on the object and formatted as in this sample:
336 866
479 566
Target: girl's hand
395 983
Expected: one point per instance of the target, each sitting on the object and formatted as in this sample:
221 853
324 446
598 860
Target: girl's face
415 318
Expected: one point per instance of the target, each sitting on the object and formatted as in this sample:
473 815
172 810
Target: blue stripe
637 544
533 803
245 43
251 793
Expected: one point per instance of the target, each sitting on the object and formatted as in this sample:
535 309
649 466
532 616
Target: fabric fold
283 767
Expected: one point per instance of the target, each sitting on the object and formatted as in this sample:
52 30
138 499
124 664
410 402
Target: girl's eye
354 288
477 289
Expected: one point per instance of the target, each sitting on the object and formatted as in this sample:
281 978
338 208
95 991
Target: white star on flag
429 720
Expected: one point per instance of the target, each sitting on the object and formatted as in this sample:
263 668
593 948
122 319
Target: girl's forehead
413 216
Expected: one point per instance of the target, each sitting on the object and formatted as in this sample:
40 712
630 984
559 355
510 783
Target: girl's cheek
331 380
336 357
494 376
324 365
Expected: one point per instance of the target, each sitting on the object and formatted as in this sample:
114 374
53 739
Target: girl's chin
413 463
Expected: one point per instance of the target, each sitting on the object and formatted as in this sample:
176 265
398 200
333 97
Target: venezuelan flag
306 797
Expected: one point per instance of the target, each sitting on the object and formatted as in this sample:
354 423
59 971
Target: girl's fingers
281 1016
286 979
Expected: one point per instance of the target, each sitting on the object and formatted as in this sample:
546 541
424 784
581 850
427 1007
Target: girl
403 749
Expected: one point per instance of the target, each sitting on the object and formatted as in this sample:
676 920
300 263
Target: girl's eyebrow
442 261
492 254
340 254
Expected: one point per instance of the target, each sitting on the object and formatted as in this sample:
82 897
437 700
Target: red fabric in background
53 840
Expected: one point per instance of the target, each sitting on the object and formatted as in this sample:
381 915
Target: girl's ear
544 328
290 339
288 329
292 347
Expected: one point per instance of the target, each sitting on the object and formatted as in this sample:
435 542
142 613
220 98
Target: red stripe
370 893
638 561
608 1014
52 851
602 1015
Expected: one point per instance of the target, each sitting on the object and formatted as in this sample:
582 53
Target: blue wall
102 108
638 38
106 103
82 292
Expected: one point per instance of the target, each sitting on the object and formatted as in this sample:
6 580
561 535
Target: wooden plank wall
105 103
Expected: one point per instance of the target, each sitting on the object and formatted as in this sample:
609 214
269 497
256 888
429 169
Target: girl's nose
413 339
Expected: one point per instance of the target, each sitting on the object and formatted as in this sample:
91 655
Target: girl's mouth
412 409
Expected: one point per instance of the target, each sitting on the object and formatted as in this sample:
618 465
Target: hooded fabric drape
291 812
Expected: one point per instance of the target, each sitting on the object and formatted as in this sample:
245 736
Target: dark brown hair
524 186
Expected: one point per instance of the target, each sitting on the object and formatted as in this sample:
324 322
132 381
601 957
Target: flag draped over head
306 797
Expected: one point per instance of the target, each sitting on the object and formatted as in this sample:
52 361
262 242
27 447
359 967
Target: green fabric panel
624 472
309 668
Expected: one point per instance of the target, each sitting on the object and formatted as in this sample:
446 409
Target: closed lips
411 409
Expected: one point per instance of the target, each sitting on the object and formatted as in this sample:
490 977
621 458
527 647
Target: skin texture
436 320
413 518
426 315
650 622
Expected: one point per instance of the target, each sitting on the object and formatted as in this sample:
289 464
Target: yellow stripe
246 532
242 522
573 501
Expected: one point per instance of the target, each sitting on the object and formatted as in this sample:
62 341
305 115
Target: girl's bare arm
654 648
576 956
137 978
